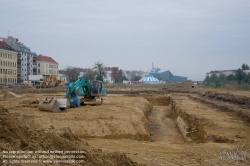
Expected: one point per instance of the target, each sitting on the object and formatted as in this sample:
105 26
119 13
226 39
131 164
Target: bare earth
141 126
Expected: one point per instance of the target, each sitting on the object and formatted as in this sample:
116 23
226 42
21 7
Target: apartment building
46 66
26 61
8 64
219 72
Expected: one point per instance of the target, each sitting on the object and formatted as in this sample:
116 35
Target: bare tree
90 74
72 73
115 74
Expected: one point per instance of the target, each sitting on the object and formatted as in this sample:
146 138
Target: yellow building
8 64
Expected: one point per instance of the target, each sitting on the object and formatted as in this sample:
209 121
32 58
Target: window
38 64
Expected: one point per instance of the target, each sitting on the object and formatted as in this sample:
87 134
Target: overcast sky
187 37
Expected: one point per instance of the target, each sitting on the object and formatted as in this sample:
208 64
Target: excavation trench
171 121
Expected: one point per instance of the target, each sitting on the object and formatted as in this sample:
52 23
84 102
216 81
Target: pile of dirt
158 100
155 100
242 101
211 100
187 85
197 132
197 127
16 137
29 103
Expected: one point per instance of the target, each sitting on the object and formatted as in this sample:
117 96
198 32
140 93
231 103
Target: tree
207 79
214 78
72 73
240 75
247 78
122 78
244 67
137 78
116 74
231 77
90 74
222 78
99 72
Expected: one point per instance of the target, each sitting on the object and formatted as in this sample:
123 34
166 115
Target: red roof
45 59
5 46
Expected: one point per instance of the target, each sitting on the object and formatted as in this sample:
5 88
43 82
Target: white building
246 71
131 73
62 77
219 72
108 71
46 66
26 62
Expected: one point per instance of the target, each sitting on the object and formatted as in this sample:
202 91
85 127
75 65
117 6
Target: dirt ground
129 129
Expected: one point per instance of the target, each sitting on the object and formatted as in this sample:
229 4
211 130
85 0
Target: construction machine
53 81
43 83
89 92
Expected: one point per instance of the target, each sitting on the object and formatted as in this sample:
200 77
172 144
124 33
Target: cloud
188 38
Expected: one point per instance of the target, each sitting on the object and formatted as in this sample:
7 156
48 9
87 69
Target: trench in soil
162 128
111 128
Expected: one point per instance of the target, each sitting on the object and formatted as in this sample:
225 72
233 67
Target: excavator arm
81 87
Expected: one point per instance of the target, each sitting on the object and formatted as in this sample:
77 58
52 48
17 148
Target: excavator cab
96 88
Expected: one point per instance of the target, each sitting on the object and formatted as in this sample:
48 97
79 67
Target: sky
189 38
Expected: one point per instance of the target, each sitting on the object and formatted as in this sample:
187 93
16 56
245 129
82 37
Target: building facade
8 64
219 72
108 71
26 61
169 77
46 66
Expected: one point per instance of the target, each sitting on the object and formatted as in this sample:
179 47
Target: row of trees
97 73
239 77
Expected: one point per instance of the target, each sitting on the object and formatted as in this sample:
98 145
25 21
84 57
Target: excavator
53 81
89 92
43 84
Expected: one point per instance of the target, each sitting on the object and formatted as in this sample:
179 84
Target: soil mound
16 137
185 85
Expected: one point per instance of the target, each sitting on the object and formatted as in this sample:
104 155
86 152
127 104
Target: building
246 71
26 61
129 74
108 71
149 79
219 72
8 64
62 77
46 66
168 76
84 71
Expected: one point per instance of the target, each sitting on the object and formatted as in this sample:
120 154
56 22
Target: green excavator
78 93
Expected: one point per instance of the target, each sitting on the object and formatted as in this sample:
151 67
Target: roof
109 68
5 46
45 59
149 79
221 71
